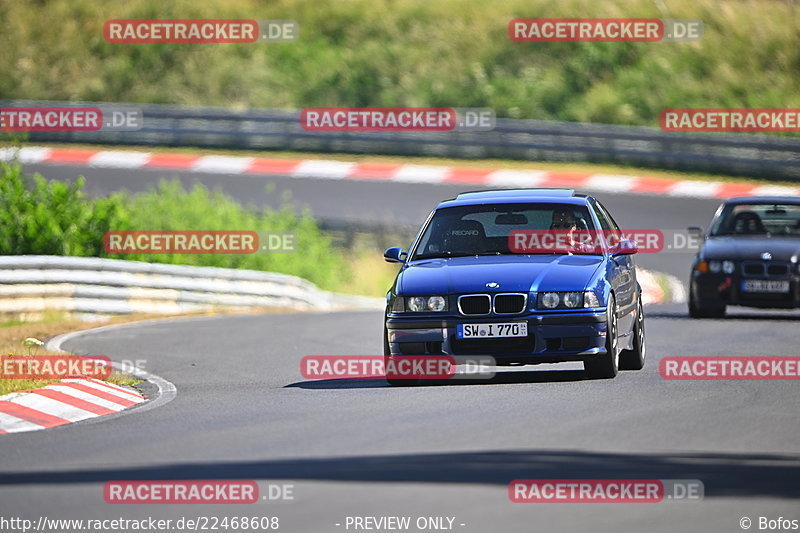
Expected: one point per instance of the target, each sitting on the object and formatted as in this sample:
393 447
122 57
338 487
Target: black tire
606 366
387 353
634 358
698 310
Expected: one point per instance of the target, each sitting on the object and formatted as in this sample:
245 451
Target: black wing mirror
697 233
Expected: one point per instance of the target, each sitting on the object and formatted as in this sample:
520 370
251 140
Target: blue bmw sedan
465 289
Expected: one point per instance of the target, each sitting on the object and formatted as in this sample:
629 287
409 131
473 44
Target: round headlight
550 300
714 266
416 304
728 267
572 299
436 303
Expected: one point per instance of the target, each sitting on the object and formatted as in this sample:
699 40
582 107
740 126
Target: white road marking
111 159
222 164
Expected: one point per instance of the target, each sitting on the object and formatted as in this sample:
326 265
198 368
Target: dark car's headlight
728 267
715 267
420 304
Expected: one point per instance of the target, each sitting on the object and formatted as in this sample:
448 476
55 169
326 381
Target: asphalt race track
360 448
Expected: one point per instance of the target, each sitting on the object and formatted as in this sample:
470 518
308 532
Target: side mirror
394 255
696 233
625 247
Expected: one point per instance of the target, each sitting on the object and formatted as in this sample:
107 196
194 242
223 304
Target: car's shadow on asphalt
734 475
729 317
501 378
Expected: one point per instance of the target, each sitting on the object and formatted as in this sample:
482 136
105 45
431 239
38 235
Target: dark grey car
749 257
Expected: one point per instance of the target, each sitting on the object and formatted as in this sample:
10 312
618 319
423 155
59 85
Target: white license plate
765 285
491 331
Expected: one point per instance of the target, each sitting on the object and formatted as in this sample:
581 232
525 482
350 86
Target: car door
623 274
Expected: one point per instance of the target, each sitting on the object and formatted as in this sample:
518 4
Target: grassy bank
411 52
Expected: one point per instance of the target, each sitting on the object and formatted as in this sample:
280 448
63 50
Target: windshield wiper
434 255
440 255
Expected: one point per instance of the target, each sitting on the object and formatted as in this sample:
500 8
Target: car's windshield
758 219
485 229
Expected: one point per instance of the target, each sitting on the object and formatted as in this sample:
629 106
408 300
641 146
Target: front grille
753 269
756 268
575 343
492 346
506 304
572 344
412 348
479 304
778 270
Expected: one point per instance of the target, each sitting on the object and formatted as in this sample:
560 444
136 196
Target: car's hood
746 248
513 273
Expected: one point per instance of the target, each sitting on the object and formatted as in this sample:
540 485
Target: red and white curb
653 291
63 402
73 400
390 172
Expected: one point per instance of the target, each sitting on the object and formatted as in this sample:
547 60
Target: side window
605 218
605 223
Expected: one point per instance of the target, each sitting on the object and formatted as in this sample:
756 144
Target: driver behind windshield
563 219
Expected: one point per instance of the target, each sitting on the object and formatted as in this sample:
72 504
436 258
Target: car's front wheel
387 354
698 309
607 365
633 359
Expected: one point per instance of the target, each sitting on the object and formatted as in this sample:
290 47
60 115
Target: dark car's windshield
485 229
758 219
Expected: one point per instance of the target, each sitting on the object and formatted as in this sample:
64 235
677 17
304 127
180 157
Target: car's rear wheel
699 310
607 365
387 354
633 359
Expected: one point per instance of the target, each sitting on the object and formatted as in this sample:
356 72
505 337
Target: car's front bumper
552 337
726 289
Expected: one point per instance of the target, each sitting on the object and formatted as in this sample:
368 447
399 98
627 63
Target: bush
51 217
55 218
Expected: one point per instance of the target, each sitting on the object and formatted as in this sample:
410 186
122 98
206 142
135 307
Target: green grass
411 52
14 332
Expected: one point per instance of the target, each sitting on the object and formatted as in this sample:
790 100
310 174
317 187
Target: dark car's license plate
765 285
495 330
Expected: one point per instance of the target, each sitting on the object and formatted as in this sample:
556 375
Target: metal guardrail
762 156
37 283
